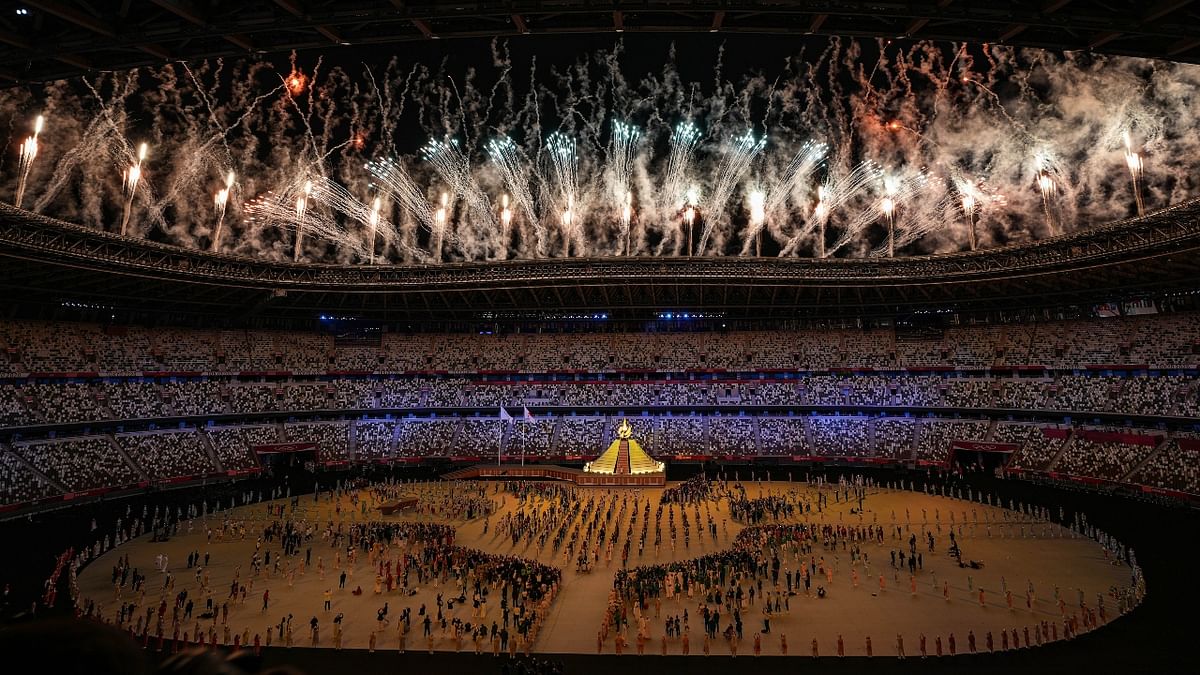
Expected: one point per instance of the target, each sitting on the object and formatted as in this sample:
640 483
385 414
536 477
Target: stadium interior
370 371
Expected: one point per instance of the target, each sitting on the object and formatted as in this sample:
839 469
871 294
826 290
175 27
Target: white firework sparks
28 153
736 160
518 177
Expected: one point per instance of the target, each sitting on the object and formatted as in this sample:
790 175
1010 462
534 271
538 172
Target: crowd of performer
495 602
586 527
767 565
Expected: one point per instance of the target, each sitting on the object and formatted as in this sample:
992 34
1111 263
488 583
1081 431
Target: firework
374 222
564 173
898 187
28 152
220 200
301 211
968 209
568 216
1044 177
518 180
295 206
335 199
440 217
505 220
453 166
1048 187
1133 161
683 142
626 217
133 175
622 151
756 204
395 182
296 82
733 166
833 194
599 178
797 174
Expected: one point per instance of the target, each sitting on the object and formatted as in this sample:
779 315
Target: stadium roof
50 39
47 264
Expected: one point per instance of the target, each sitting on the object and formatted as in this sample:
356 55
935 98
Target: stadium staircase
352 442
506 434
757 436
394 444
210 450
4 449
991 430
1061 451
1161 447
112 442
622 465
1020 451
467 472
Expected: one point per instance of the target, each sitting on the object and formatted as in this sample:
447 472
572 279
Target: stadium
540 338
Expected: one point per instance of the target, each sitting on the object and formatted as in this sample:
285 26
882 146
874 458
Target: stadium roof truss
50 39
47 262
